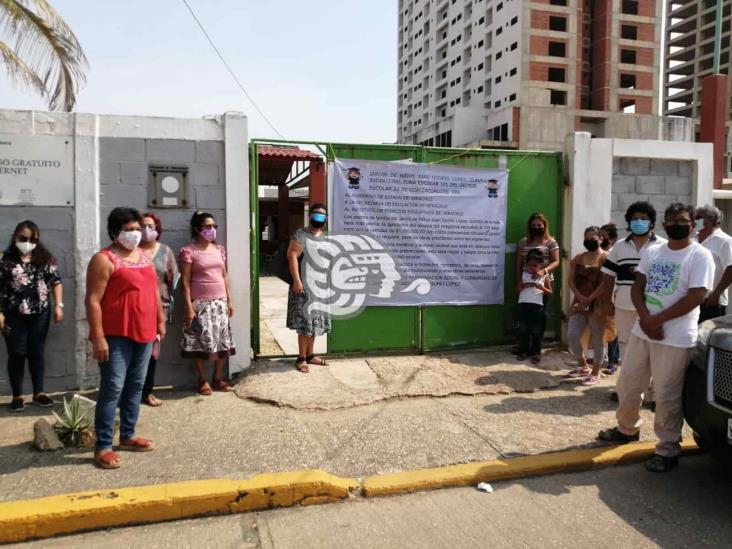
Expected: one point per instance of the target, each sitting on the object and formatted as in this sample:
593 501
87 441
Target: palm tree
40 51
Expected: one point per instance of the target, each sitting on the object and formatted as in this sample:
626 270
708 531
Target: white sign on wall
36 170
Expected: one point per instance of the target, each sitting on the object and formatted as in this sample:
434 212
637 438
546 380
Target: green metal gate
535 184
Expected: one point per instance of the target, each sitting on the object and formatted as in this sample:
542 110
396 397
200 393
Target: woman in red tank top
125 317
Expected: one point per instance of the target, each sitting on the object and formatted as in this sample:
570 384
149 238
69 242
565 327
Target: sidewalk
226 436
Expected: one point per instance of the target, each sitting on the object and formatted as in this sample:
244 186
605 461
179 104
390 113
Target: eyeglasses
30 239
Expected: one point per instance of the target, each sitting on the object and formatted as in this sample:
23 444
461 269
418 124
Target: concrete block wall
57 233
659 181
124 181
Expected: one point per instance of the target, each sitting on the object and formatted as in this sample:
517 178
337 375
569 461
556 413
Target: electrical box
168 187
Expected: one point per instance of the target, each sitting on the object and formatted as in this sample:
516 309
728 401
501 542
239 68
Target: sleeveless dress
315 323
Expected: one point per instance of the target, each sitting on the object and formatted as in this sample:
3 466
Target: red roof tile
291 153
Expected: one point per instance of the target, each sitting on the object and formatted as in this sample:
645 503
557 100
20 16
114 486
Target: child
531 306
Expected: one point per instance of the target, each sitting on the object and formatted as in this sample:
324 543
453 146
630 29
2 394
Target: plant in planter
73 426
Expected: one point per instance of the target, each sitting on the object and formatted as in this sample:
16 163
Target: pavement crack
472 429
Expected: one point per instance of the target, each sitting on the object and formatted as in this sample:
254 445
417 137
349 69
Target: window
479 89
630 7
627 56
499 31
498 79
627 81
557 49
558 24
499 55
443 112
512 72
481 20
627 106
480 44
556 74
498 104
514 46
512 97
558 2
629 32
457 101
514 21
557 97
443 74
504 132
443 94
499 7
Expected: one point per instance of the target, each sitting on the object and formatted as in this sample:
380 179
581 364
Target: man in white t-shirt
671 283
714 239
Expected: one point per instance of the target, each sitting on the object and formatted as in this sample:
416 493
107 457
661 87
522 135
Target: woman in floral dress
28 274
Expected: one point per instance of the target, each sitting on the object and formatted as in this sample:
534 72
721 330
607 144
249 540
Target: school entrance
287 176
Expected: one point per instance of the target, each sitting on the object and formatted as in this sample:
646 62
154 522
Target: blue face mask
640 226
318 217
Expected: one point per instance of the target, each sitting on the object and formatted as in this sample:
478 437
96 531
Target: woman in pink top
207 298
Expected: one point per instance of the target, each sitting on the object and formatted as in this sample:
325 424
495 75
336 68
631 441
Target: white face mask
25 247
129 239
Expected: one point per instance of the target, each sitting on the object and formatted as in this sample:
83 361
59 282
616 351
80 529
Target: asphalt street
617 507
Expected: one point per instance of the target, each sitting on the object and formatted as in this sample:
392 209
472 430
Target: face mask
536 231
129 239
317 220
640 227
25 247
149 235
699 224
605 244
678 232
591 245
208 234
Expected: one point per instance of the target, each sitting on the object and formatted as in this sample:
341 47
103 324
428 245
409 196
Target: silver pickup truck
708 388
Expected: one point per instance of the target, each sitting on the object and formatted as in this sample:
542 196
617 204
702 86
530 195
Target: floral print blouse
24 287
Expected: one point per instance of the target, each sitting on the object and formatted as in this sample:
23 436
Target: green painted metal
376 328
535 184
254 243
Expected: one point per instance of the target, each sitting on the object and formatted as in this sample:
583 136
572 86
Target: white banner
36 170
440 223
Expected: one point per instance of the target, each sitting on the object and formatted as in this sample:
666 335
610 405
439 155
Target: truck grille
722 380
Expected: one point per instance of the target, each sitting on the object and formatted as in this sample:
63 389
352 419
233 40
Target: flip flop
579 372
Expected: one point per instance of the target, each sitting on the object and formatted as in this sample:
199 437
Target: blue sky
319 70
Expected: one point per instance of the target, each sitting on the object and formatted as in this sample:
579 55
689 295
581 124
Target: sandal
221 385
152 400
310 359
579 372
137 444
204 388
591 380
301 365
107 460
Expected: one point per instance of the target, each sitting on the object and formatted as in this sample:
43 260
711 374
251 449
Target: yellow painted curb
69 513
50 516
503 469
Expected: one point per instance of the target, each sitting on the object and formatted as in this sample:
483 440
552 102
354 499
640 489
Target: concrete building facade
690 30
116 160
524 73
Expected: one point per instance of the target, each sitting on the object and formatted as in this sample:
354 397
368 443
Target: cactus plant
73 426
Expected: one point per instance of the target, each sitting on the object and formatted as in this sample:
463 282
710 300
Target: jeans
613 352
531 328
122 377
25 337
149 385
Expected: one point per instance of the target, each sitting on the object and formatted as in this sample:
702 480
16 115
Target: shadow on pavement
589 402
663 507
